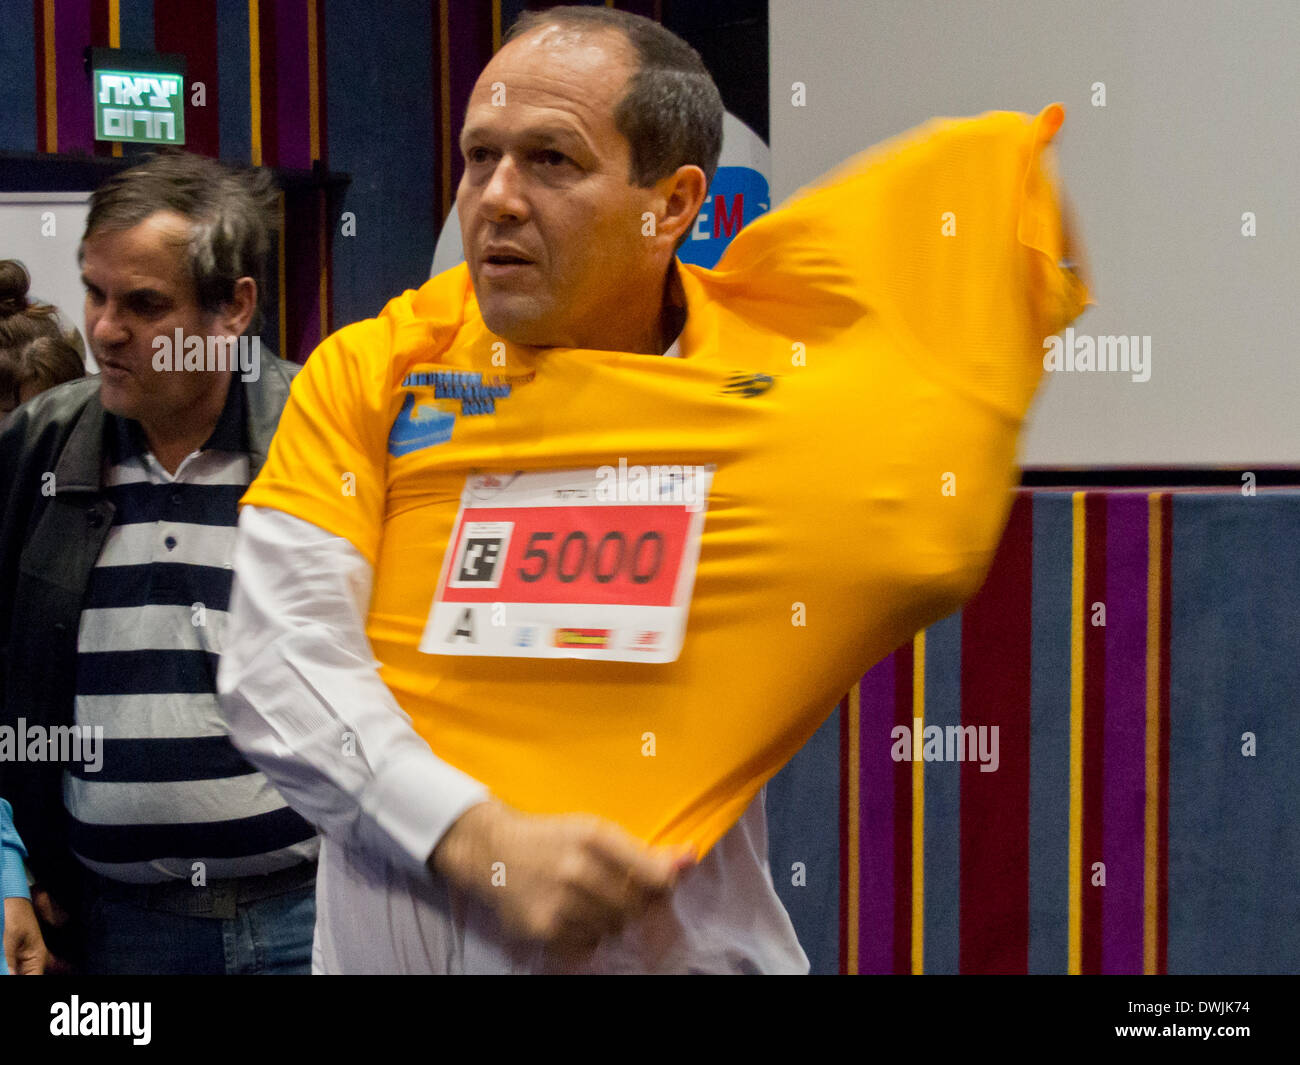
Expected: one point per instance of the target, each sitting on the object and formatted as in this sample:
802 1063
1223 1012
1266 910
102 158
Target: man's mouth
504 267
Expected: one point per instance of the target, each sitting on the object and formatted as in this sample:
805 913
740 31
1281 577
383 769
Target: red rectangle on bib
629 554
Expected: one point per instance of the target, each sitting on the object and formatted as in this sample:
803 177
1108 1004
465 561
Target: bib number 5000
610 559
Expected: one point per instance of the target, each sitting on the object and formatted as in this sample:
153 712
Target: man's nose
109 329
503 196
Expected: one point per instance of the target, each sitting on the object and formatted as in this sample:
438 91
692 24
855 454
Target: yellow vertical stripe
115 41
313 90
853 803
1079 549
255 88
1150 870
284 297
444 89
918 808
51 82
496 26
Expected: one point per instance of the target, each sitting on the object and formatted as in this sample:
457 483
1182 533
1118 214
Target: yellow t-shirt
856 370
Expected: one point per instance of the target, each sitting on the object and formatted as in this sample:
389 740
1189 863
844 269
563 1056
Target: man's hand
24 945
565 881
52 915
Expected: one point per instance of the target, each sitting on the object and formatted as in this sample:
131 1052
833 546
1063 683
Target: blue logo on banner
418 427
737 196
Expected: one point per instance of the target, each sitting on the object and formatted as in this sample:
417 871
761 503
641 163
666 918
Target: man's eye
477 155
554 158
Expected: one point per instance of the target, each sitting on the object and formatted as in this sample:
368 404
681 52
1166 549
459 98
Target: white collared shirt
300 689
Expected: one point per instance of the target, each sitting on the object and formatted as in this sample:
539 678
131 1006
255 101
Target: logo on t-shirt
419 424
427 416
748 385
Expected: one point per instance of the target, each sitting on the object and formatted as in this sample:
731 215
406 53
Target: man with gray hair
174 855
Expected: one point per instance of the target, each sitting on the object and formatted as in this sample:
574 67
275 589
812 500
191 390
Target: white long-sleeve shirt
305 703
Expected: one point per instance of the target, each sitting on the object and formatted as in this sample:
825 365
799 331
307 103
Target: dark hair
672 112
23 320
232 215
44 362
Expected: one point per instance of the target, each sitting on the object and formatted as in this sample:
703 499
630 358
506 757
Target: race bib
594 564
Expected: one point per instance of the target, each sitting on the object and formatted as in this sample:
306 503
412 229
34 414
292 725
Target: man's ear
683 193
236 315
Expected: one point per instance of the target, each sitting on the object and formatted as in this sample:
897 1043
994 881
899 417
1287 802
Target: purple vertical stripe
1125 732
876 821
293 102
73 94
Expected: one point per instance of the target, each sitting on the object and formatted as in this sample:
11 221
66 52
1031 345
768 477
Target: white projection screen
1199 128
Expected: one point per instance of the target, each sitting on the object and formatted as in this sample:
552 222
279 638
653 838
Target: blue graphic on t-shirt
417 427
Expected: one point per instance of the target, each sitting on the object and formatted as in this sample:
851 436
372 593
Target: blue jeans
267 937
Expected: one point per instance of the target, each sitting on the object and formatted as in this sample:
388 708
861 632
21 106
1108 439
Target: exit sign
139 96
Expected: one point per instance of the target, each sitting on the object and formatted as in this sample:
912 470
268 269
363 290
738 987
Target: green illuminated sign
134 102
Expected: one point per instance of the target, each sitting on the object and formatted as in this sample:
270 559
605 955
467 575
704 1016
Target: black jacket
51 534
